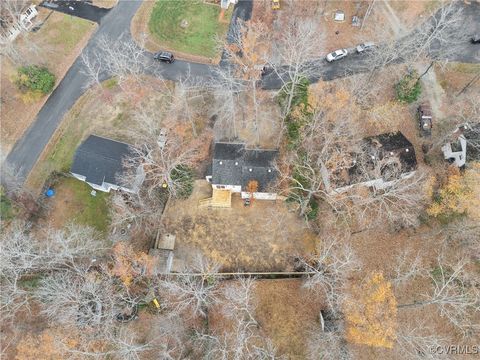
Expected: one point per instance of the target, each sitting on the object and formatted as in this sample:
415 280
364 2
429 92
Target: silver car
365 47
337 55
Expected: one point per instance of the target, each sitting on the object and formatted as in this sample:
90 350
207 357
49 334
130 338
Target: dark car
475 39
425 120
164 56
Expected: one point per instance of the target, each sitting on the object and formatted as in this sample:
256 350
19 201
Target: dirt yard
56 46
262 237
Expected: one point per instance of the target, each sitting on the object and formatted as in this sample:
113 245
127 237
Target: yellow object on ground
275 4
155 302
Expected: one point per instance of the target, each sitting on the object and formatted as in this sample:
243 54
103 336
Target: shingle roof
100 159
233 164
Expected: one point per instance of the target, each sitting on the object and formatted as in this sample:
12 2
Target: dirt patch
263 237
56 45
106 4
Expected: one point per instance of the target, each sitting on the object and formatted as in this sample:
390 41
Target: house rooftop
100 160
234 164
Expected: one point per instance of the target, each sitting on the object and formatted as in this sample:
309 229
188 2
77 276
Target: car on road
164 56
424 112
366 46
337 55
475 39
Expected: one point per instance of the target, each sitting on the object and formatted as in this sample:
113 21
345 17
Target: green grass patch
6 210
198 38
72 30
86 209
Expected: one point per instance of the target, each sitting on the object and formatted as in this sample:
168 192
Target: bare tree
194 291
121 58
10 18
23 255
416 342
239 300
80 297
327 346
406 267
293 57
162 153
332 264
455 294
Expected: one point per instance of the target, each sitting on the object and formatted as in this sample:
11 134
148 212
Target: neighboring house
99 162
465 145
235 168
12 27
385 159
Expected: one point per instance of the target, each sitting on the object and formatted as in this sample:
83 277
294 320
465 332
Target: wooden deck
220 199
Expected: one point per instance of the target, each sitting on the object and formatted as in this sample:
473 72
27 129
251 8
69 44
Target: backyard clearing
55 45
73 202
188 28
262 237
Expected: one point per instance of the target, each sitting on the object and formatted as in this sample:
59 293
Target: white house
234 167
99 162
465 144
16 26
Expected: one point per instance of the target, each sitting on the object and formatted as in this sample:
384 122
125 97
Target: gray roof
233 164
100 160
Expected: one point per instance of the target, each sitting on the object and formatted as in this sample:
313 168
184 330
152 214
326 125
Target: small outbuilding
99 162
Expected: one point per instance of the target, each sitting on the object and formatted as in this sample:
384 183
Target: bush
184 178
35 79
408 89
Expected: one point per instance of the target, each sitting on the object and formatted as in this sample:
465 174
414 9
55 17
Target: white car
365 47
336 55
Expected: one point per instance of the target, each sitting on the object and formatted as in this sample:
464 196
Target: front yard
189 28
55 45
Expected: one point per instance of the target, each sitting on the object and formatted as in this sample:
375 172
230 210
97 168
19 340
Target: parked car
475 39
164 56
337 55
365 47
425 120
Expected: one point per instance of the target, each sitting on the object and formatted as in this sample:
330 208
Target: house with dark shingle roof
384 159
99 162
234 167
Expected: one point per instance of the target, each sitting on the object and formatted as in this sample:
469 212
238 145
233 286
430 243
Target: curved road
116 23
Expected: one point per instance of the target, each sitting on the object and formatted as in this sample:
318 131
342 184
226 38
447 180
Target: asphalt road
115 23
29 147
81 9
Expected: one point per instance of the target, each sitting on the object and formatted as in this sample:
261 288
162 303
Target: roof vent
236 162
269 170
250 169
221 162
